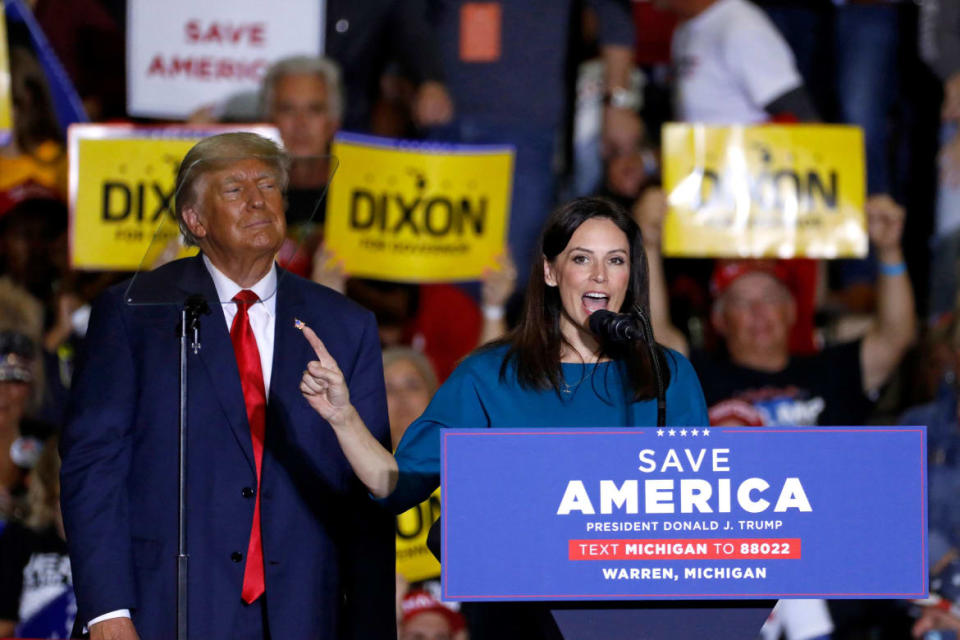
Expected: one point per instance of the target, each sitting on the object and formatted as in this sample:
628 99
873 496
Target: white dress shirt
262 316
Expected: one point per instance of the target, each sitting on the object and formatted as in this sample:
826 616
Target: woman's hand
323 384
498 285
325 389
499 282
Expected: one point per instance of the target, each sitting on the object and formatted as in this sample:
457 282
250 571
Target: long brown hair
536 343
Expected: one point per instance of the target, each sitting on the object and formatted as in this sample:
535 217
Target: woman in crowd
410 382
36 586
21 389
551 371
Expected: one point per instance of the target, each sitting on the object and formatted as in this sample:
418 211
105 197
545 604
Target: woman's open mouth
594 301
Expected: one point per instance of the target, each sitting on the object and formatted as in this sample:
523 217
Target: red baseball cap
417 602
798 275
726 272
25 191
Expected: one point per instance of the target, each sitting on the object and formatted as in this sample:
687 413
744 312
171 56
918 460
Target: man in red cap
426 618
757 380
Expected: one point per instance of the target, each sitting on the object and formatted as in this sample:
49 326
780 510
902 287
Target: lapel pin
298 323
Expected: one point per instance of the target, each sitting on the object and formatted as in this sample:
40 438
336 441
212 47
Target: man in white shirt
732 66
282 539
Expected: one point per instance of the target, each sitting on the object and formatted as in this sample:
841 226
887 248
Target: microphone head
613 327
600 322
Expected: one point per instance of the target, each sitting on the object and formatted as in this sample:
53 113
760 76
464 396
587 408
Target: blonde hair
417 359
22 313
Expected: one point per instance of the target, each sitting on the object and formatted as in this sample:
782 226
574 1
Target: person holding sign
758 381
551 371
283 540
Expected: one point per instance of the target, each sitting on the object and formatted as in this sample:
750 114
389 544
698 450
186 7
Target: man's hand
885 227
114 629
622 131
323 384
649 211
894 323
432 105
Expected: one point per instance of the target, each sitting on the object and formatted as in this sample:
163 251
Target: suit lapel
217 356
288 344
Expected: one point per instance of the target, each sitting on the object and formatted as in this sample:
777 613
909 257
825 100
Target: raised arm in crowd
894 321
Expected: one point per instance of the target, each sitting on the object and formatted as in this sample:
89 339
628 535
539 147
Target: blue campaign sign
726 512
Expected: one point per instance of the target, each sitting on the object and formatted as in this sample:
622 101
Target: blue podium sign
726 512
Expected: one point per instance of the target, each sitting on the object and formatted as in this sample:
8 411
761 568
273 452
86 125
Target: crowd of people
580 90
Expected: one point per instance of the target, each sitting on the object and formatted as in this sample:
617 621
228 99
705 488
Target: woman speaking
551 371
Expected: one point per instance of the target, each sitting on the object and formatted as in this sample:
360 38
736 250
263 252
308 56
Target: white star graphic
694 432
706 431
672 432
659 433
683 432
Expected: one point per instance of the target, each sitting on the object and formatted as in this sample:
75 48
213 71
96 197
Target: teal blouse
474 396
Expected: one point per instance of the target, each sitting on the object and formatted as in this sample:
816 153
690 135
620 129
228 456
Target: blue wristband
896 269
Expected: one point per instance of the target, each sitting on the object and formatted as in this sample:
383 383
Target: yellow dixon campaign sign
764 191
6 103
122 192
415 561
407 211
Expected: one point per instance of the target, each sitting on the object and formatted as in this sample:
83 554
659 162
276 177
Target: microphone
619 328
614 327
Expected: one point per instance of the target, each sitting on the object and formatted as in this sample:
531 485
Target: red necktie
255 398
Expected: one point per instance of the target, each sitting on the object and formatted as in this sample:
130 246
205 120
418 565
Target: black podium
717 620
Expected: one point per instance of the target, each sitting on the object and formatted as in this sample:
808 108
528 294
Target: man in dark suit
283 540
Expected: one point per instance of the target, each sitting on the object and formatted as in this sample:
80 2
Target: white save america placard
183 54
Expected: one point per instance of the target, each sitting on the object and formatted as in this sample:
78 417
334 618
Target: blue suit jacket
328 549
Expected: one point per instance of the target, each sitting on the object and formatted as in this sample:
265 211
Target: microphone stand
189 330
646 333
